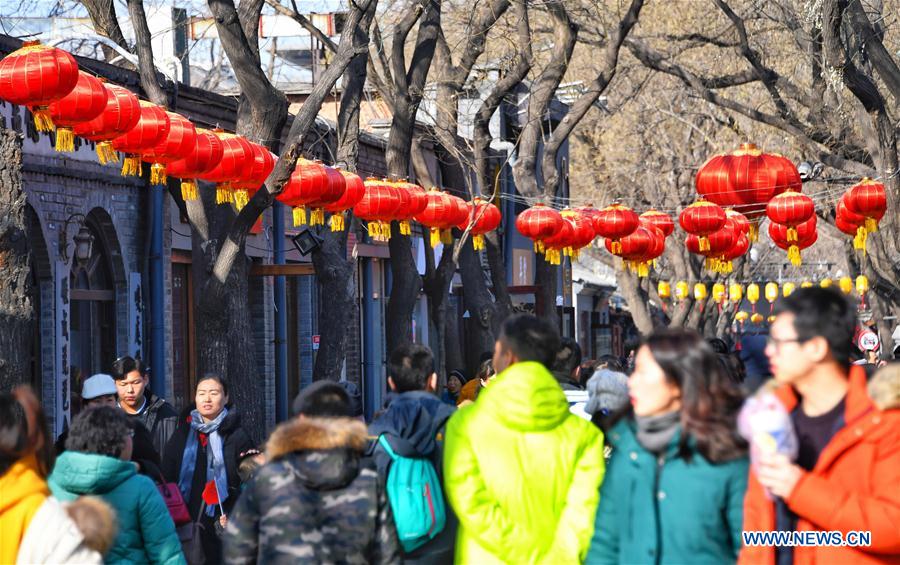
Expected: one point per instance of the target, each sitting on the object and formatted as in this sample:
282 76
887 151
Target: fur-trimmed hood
304 434
884 388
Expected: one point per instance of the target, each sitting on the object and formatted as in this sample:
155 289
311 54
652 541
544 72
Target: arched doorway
40 284
92 315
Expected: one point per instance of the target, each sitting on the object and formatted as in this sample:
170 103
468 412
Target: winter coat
160 419
234 442
667 509
855 485
34 528
413 425
143 452
146 532
313 502
522 472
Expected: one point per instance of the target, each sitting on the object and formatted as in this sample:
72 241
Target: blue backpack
417 502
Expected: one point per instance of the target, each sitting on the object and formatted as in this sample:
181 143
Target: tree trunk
16 308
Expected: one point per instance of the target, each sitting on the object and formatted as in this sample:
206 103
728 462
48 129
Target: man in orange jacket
847 474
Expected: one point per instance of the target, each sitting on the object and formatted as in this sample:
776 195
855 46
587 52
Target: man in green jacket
521 472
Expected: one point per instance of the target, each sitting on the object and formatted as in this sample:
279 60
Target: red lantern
790 209
746 180
741 223
486 218
538 223
740 247
869 200
307 184
720 242
701 219
176 145
122 112
37 75
150 130
589 212
659 220
562 240
442 212
615 222
335 185
583 231
635 248
86 101
354 190
207 153
413 203
254 177
806 236
377 207
237 157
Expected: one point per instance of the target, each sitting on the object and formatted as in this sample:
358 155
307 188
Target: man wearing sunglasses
138 402
847 470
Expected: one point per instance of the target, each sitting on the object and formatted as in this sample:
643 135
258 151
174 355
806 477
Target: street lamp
84 241
306 242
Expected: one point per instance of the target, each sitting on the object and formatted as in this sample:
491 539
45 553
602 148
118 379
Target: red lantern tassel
616 247
65 140
754 231
300 217
337 222
158 173
794 255
478 242
405 228
189 190
131 166
792 235
106 153
241 197
435 237
385 231
42 120
447 237
871 225
704 243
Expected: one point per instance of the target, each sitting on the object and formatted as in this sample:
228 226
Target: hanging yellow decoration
735 293
742 316
788 289
664 289
700 292
806 284
826 283
846 285
757 318
681 290
771 291
862 284
718 293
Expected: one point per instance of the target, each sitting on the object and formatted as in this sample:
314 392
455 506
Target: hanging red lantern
740 247
660 220
307 184
589 212
538 223
86 101
413 203
442 212
635 248
207 153
486 218
237 157
377 207
37 75
720 242
150 130
860 235
583 231
741 223
701 219
869 200
335 185
253 177
746 180
654 252
806 236
354 190
614 223
122 112
178 143
555 246
790 209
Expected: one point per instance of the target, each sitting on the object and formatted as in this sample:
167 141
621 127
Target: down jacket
146 532
522 473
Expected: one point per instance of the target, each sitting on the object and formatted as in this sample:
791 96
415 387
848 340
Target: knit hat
607 391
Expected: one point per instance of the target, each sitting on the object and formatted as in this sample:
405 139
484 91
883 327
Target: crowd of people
542 457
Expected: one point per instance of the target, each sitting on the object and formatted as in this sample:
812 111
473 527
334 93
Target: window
92 323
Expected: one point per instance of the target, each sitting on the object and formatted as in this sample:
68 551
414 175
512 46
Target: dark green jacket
667 510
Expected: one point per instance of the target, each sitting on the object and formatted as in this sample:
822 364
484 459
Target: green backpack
417 502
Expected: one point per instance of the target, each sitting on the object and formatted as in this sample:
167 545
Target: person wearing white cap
99 389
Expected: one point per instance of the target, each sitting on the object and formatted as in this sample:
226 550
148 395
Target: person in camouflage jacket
314 501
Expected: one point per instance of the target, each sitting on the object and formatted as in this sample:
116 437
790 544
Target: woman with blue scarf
204 449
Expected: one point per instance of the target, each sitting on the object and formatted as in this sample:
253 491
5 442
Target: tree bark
16 307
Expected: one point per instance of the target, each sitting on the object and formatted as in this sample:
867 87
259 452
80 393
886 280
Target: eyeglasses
777 342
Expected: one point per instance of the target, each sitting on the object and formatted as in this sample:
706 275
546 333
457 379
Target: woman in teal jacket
674 487
97 462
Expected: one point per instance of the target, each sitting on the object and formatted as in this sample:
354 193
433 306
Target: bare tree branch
305 22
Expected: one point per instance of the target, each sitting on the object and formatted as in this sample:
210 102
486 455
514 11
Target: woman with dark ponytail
674 487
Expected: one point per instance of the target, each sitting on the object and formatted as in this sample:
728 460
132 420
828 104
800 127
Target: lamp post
84 240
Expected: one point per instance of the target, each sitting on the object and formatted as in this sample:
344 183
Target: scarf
654 433
215 462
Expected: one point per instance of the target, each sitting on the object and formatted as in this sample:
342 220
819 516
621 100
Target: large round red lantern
37 75
308 182
377 207
659 220
589 212
354 190
335 186
150 130
441 213
86 101
806 236
746 180
635 248
254 177
701 219
207 153
583 232
538 223
790 209
484 217
615 222
178 143
237 157
122 112
740 221
720 242
412 203
869 200
740 247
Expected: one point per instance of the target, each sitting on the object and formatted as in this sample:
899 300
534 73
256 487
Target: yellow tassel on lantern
704 243
718 293
615 247
436 238
711 264
792 235
862 234
241 197
131 166
317 217
405 228
643 269
754 232
106 153
189 189
300 218
735 293
726 267
385 231
478 242
871 225
157 173
65 140
372 227
794 256
337 222
447 237
42 120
